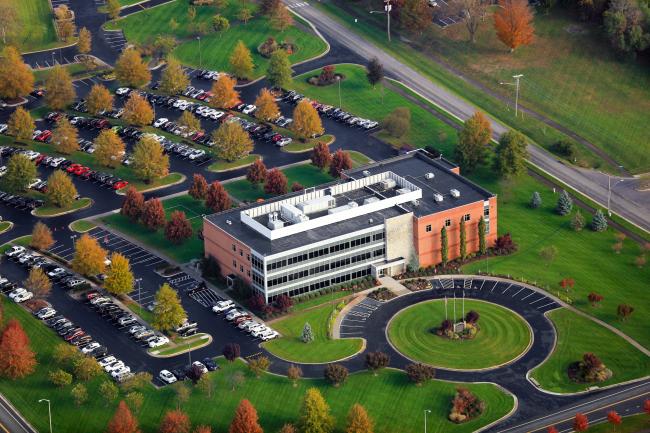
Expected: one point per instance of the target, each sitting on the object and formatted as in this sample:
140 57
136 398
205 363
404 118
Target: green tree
315 414
174 79
473 141
244 15
374 71
16 78
113 7
598 222
548 254
109 392
577 221
444 246
79 394
21 125
60 91
511 155
190 121
398 122
278 72
307 334
482 244
119 279
60 378
168 313
149 161
463 240
61 191
535 200
220 24
20 171
163 45
626 25
109 148
241 62
564 204
65 136
231 141
131 70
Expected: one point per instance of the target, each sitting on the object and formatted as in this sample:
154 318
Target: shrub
505 245
60 378
564 148
231 351
377 360
336 374
535 200
599 222
268 47
420 373
326 76
465 406
564 204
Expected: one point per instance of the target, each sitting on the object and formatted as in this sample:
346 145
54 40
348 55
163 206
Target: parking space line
145 260
543 297
529 295
353 320
506 289
131 247
156 262
518 292
545 305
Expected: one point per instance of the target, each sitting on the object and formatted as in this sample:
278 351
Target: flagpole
446 308
454 306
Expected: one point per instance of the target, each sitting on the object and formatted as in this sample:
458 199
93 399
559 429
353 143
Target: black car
210 364
180 374
100 352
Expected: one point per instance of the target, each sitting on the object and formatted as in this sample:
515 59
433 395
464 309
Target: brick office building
375 221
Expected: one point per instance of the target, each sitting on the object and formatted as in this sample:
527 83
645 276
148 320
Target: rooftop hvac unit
229 222
369 200
402 191
429 176
292 213
274 221
345 207
317 204
352 204
437 197
454 193
366 173
387 184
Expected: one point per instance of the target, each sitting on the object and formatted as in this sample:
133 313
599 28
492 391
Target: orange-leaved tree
513 22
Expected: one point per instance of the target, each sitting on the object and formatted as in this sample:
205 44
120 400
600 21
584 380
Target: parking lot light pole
426 411
198 38
73 237
139 299
387 8
338 78
189 352
609 192
516 84
49 411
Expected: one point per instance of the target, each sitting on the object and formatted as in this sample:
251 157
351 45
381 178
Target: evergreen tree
20 124
168 312
599 222
564 204
374 71
463 240
241 61
278 72
578 221
60 91
119 279
307 334
20 171
482 243
511 155
174 79
315 414
444 246
535 200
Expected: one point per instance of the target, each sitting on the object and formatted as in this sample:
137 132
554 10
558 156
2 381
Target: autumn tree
178 228
474 12
276 182
624 311
341 161
149 161
175 421
17 359
153 214
513 21
614 419
224 94
231 351
131 70
9 24
137 111
113 8
420 373
306 121
231 141
336 374
79 394
61 192
245 420
511 154
199 187
321 156
626 25
256 172
16 78
220 24
99 99
109 148
374 71
376 361
20 124
594 298
189 121
202 429
65 136
398 122
358 420
473 141
89 258
133 204
288 428
278 73
174 79
241 61
217 198
415 15
268 6
580 422
119 279
267 108
259 365
38 283
315 414
123 421
168 312
41 237
60 91
281 18
60 378
86 368
84 42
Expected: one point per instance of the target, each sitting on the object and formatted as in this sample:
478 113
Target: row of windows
241 252
466 217
241 268
329 282
258 279
257 263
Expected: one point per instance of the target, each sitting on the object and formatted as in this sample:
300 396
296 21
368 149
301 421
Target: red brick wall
219 244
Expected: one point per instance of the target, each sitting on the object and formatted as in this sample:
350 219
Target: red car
73 167
81 170
120 184
74 334
197 135
39 159
44 136
276 138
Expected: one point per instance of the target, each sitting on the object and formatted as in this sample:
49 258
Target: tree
295 187
513 22
474 12
294 373
244 14
614 419
163 45
224 94
376 361
482 243
65 354
580 422
217 198
20 124
137 111
60 378
108 391
138 381
276 182
17 360
268 6
472 317
306 121
220 24
415 15
444 246
288 428
99 99
119 279
278 73
113 7
577 221
564 204
336 374
231 141
66 29
374 71
133 204
175 421
20 171
473 141
16 78
626 26
182 393
61 191
241 61
85 368
284 302
38 283
174 79
420 373
41 237
321 156
307 335
89 258
60 91
624 311
245 420
536 200
190 121
168 313
79 394
646 406
206 385
358 420
598 222
149 161
256 172
153 214
178 228
231 351
65 137
84 43
463 240
131 70
398 122
548 254
199 188
315 414
341 161
511 154
123 421
267 108
9 24
109 148
281 18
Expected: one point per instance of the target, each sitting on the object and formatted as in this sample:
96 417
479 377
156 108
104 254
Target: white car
114 366
268 335
99 300
196 154
34 182
199 364
17 292
23 297
120 371
250 326
216 115
233 315
105 362
249 109
90 347
259 331
56 272
25 258
222 306
3 170
245 324
158 341
283 142
14 251
3 128
167 376
122 91
46 313
36 133
136 328
56 162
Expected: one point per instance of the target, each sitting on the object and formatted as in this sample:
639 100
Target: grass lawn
192 248
223 165
4 226
35 27
215 49
319 300
305 174
51 210
290 347
82 226
358 158
181 346
75 69
585 256
503 336
144 314
578 335
359 98
297 146
630 424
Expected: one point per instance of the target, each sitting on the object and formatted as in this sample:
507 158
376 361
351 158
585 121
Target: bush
60 378
268 47
398 122
465 406
420 373
564 204
377 360
599 222
535 200
336 374
564 148
505 245
231 351
327 76
382 294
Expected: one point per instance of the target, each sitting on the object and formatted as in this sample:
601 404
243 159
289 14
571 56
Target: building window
466 217
486 211
234 247
248 257
241 253
248 272
241 268
427 228
447 223
234 264
487 226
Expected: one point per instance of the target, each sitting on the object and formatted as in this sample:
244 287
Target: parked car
167 376
158 341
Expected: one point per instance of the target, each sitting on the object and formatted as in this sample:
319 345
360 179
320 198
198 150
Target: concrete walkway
394 286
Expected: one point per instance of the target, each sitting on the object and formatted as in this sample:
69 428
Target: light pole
72 238
53 59
198 38
609 192
387 8
189 353
516 84
49 411
426 411
139 299
338 78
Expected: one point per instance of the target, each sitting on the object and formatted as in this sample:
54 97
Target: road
625 200
11 421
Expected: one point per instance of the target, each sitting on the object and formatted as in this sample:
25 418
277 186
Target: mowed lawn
361 99
585 256
578 335
216 48
192 248
503 335
35 29
393 402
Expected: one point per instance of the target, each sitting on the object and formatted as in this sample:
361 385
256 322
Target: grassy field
290 347
578 335
222 165
393 402
320 300
50 210
215 49
585 256
297 146
35 27
75 69
630 424
360 98
180 345
4 226
192 248
503 336
358 158
82 226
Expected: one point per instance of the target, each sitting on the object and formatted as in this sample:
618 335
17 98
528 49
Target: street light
49 411
53 59
338 78
139 299
198 38
609 192
426 411
516 84
387 8
73 237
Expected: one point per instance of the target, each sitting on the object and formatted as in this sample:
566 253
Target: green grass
305 174
215 49
359 98
290 347
51 210
297 146
320 300
502 337
82 226
358 158
192 248
585 256
144 314
578 335
223 165
394 403
200 340
35 27
75 69
630 424
4 226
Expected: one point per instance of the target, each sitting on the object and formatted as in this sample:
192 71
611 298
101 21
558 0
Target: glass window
447 223
428 228
466 217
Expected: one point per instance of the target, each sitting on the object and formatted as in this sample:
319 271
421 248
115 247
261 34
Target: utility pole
387 9
516 84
